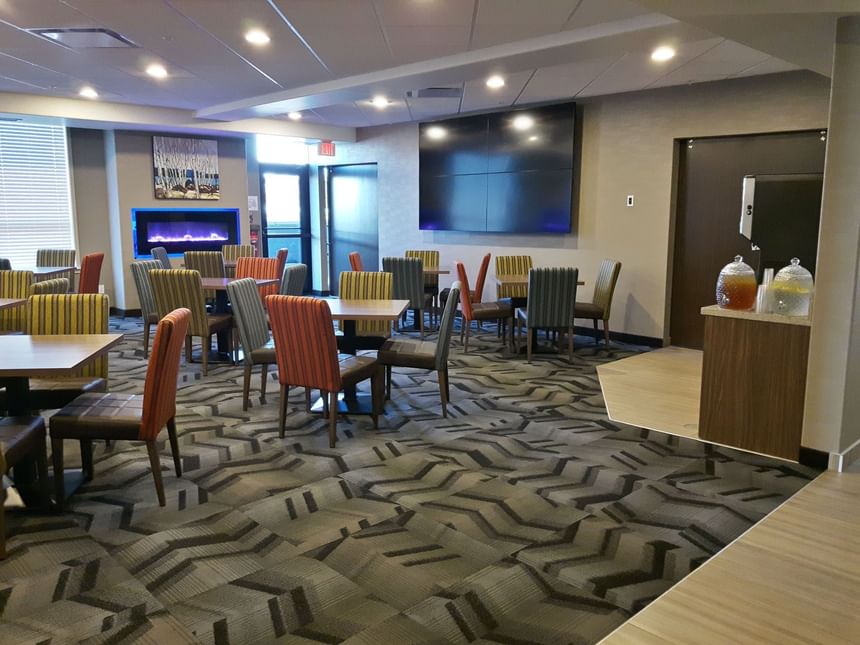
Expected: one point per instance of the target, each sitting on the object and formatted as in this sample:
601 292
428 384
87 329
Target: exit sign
325 149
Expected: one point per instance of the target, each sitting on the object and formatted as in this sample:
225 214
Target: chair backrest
446 326
14 284
160 253
282 255
56 285
367 285
180 289
91 271
465 300
57 258
71 313
512 265
159 390
604 287
293 280
552 294
210 264
407 276
430 259
355 261
5 264
260 269
305 346
481 279
249 314
232 252
140 272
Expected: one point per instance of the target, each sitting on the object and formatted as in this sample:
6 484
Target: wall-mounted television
506 172
183 229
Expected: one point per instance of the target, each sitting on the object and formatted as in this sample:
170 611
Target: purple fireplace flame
166 232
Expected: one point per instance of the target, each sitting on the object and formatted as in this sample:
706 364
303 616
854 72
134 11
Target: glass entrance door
285 213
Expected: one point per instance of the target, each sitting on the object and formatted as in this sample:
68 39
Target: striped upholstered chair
293 280
259 269
232 253
407 277
367 285
478 311
130 417
512 265
477 294
14 284
601 305
209 264
355 262
5 264
57 258
429 258
91 270
140 272
552 294
45 287
307 357
160 253
257 348
282 255
180 289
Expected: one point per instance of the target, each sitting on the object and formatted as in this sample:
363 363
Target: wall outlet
629 200
101 288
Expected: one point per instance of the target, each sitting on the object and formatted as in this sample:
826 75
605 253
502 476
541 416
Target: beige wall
627 148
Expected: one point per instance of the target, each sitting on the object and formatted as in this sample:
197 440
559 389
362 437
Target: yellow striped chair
45 287
57 258
14 284
512 265
209 264
183 289
367 285
232 253
431 281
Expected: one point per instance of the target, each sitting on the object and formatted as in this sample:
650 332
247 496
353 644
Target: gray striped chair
552 294
210 264
160 253
57 258
293 280
407 275
600 307
257 347
56 285
140 272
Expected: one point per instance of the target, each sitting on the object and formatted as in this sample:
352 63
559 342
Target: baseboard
125 313
841 461
813 458
621 337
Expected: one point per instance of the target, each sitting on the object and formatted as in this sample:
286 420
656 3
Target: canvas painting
185 168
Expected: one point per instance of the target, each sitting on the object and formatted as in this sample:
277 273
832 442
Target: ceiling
326 58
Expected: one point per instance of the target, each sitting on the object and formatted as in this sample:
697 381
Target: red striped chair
355 261
306 353
479 310
260 269
282 260
91 271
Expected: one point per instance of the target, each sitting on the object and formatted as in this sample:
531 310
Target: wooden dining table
49 272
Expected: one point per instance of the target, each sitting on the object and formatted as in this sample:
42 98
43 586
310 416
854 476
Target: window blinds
35 196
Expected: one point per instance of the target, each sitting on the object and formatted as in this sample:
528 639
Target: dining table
222 306
44 273
11 303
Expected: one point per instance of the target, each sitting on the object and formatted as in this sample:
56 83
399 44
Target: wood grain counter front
754 381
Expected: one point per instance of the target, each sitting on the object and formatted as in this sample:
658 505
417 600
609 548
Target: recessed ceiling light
436 132
156 70
662 54
257 37
534 137
88 93
495 82
380 102
523 122
295 116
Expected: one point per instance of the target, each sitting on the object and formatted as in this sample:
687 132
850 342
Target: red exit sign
325 148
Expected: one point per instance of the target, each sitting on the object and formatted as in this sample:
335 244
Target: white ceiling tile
564 81
504 21
413 44
435 13
726 59
477 96
595 12
422 109
770 66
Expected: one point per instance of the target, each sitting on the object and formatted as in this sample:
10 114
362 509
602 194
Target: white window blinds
35 196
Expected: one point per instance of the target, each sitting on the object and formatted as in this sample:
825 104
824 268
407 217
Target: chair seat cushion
356 368
264 355
20 436
53 393
587 310
99 416
491 310
408 353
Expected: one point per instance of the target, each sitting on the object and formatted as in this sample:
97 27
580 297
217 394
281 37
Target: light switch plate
629 200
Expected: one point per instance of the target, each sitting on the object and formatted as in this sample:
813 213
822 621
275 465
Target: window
281 150
35 195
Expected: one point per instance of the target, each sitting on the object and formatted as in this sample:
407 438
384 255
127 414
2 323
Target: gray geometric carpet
525 517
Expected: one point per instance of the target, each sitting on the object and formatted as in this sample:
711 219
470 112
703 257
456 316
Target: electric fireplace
183 229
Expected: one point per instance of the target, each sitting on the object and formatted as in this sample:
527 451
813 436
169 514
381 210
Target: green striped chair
512 265
140 272
367 285
14 284
601 305
293 280
407 276
209 264
45 287
57 258
257 347
183 289
232 252
430 258
552 295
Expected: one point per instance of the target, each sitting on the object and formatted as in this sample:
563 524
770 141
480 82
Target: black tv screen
508 172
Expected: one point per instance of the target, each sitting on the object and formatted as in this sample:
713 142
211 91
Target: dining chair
600 306
552 294
210 264
232 253
183 289
259 269
306 353
355 261
257 348
282 255
293 280
5 264
430 258
55 285
14 284
367 285
478 311
140 272
407 283
58 258
130 417
91 270
512 265
160 253
424 354
475 295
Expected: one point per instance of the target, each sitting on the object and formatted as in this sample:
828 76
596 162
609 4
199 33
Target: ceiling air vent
435 93
84 37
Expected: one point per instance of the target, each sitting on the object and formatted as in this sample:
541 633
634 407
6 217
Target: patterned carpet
525 517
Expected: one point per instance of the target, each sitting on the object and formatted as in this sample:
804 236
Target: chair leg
246 387
606 331
596 333
174 445
2 523
282 416
388 382
443 391
59 482
44 486
146 327
377 395
332 419
87 459
569 344
466 342
308 399
206 348
264 378
463 324
529 335
421 321
155 464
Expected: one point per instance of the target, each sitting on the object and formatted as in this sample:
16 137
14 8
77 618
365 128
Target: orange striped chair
306 354
91 270
130 417
368 285
58 258
260 269
232 253
355 261
14 284
479 310
282 260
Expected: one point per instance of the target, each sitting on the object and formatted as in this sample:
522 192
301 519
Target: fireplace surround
183 229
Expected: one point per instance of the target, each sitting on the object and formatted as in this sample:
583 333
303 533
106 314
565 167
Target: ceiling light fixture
295 116
156 70
534 137
495 82
662 54
379 102
257 37
436 132
523 122
88 93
